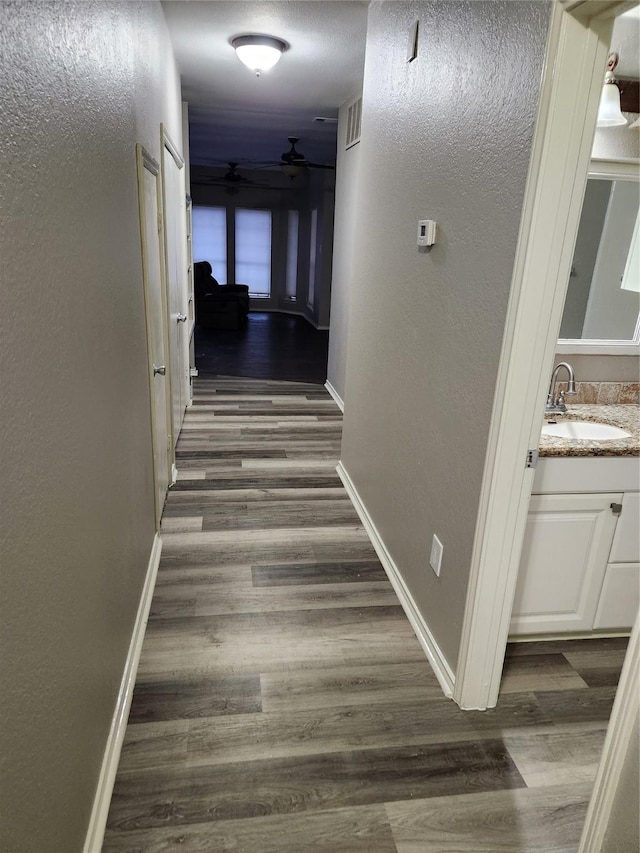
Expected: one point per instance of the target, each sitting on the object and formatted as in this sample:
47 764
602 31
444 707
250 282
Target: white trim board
441 668
337 398
291 312
624 717
102 800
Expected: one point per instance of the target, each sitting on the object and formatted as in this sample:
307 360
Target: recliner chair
218 306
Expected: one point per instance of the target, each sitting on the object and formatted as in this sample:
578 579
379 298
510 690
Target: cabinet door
620 597
565 553
626 542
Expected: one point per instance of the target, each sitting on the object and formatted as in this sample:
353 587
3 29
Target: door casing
149 205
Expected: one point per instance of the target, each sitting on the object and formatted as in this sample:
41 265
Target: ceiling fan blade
319 165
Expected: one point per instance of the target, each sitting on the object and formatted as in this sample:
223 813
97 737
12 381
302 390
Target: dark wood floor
270 346
283 703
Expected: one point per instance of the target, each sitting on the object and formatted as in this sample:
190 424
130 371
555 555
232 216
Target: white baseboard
291 311
338 399
102 800
174 473
441 668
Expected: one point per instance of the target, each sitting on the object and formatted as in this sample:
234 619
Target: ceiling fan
293 162
232 176
232 180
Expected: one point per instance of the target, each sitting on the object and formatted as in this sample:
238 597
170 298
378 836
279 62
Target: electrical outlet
435 560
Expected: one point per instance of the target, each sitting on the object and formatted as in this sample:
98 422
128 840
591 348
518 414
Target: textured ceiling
237 116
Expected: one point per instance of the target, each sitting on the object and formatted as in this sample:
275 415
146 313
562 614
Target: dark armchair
218 306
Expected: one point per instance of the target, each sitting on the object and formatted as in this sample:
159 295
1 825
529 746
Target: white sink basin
584 430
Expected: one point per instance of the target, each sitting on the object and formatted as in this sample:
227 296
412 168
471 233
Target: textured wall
603 368
344 232
446 137
82 82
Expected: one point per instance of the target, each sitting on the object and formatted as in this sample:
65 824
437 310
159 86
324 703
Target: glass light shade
258 57
291 170
259 53
609 114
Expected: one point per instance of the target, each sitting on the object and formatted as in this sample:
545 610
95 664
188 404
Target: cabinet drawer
620 597
626 542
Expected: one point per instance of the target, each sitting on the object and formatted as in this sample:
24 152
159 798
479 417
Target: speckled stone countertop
626 417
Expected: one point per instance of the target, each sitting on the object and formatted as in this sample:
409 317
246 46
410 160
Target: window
210 239
292 255
253 251
311 294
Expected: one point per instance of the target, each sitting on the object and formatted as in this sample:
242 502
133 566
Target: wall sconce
259 53
609 113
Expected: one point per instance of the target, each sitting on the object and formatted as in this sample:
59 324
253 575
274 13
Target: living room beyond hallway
270 345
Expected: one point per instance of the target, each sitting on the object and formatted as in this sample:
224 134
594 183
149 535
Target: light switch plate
435 559
426 232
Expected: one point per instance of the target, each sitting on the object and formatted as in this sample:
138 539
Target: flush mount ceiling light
259 53
609 113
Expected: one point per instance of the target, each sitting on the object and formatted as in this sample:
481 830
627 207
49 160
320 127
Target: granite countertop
625 416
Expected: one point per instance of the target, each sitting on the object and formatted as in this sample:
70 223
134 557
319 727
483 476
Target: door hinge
616 509
532 458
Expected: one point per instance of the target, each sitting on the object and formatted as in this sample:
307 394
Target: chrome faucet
557 404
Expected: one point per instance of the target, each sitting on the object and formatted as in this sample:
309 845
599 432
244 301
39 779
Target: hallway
283 702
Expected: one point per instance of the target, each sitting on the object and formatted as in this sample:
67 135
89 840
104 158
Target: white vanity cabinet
580 565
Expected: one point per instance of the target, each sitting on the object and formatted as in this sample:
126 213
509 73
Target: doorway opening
264 258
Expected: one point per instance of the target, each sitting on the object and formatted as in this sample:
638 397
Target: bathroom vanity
580 565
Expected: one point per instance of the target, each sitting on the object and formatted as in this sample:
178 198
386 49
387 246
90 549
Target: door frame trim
145 161
167 142
617 745
570 92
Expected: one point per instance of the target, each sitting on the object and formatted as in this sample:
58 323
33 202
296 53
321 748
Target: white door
155 311
174 198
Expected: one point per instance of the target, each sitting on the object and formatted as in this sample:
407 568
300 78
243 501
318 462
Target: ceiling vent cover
354 122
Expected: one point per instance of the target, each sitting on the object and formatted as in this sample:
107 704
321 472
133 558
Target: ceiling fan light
292 170
259 53
609 114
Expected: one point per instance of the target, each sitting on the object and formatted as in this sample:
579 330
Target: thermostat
426 232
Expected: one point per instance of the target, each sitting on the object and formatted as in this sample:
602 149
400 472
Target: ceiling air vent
354 122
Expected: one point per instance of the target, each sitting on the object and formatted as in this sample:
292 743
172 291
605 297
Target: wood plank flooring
283 703
270 346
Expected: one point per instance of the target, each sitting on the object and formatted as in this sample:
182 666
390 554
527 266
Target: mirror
602 305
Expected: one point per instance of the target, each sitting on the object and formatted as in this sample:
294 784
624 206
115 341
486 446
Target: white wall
611 311
446 137
594 210
82 83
